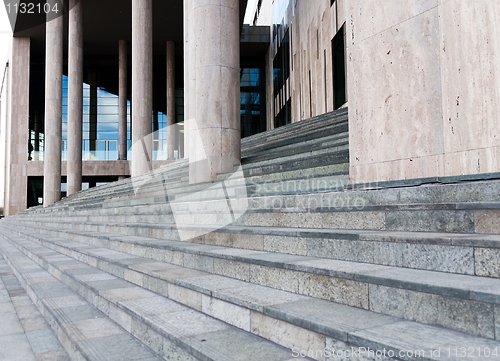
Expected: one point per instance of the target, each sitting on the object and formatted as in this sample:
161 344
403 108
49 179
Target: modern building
85 83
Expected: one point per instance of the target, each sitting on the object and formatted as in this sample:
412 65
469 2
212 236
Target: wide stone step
85 332
303 324
292 130
459 302
24 335
305 211
472 254
331 136
169 328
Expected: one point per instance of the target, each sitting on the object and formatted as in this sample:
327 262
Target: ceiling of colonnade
108 21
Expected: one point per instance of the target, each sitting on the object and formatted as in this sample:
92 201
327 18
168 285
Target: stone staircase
281 260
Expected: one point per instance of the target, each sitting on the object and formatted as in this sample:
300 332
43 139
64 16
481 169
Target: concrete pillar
122 99
75 97
18 123
212 50
53 107
171 134
142 85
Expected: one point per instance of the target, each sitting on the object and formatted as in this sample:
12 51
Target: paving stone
473 317
227 312
239 347
344 291
341 351
69 301
22 351
233 269
58 355
487 262
335 268
256 297
409 337
329 318
441 221
92 328
95 277
433 282
348 250
147 307
430 257
174 274
279 278
10 321
43 341
122 294
285 333
110 284
82 312
117 348
210 283
33 323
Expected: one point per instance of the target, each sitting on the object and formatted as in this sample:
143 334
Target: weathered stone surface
343 291
290 245
472 317
42 341
286 334
487 221
410 336
341 351
348 250
227 312
256 297
22 351
438 221
278 278
430 257
328 318
234 269
487 262
117 348
92 328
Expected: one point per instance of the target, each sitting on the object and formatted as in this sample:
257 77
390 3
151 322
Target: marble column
171 131
53 107
142 85
213 62
122 99
75 97
18 126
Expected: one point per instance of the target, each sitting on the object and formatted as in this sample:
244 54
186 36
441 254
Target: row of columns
211 78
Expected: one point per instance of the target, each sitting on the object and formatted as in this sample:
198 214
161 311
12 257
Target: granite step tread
189 333
249 143
330 137
84 331
341 323
406 237
466 287
25 335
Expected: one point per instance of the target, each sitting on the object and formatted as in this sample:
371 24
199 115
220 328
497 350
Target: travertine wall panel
396 116
313 24
424 89
369 18
470 58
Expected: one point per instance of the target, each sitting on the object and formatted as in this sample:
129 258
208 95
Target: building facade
419 78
